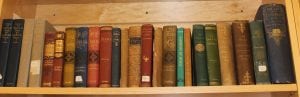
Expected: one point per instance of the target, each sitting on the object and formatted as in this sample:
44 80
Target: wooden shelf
152 90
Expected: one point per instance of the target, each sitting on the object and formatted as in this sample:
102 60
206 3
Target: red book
58 59
93 62
146 66
48 59
105 56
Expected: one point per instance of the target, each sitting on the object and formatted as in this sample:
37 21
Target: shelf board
151 90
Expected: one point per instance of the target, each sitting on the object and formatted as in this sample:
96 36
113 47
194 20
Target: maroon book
105 56
48 59
58 59
146 66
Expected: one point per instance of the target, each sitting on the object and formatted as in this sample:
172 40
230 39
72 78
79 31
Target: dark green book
212 50
180 56
116 57
261 70
199 56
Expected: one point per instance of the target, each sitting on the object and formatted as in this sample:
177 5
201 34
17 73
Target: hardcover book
134 66
169 56
180 56
226 53
93 57
14 54
105 56
116 57
147 49
48 59
69 62
242 46
157 57
187 57
58 59
124 57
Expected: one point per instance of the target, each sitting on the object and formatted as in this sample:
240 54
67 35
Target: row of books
34 54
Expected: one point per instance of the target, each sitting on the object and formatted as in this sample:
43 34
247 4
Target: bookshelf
125 13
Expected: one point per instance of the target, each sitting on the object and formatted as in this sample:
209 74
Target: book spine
242 46
23 74
180 56
199 56
116 57
277 38
58 59
6 33
147 49
226 53
14 54
157 58
48 59
187 57
134 68
69 59
93 57
124 58
169 56
105 56
81 56
213 61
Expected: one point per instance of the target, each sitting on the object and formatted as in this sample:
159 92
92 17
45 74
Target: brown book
169 56
242 46
58 59
105 56
146 65
124 57
187 58
93 57
157 58
48 59
226 53
69 64
134 68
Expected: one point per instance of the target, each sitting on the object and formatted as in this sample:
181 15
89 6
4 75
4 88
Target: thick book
243 54
48 59
24 65
147 49
6 33
226 53
116 57
169 56
212 51
81 57
157 57
180 56
58 59
35 76
93 57
187 57
14 54
69 58
199 56
105 56
259 52
124 57
134 53
278 44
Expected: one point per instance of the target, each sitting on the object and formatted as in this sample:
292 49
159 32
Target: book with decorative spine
146 57
58 59
69 52
93 57
116 57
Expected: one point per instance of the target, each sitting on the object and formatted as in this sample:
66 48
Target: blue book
180 56
116 57
81 56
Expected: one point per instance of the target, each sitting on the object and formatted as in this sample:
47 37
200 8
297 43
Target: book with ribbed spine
105 56
93 57
69 59
116 57
180 56
124 58
14 54
147 49
199 56
58 59
187 57
157 57
48 59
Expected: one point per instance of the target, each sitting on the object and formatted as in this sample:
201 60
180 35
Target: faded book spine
124 58
180 56
58 59
226 53
187 57
147 49
242 46
116 57
169 56
69 59
134 68
157 58
93 57
48 59
105 56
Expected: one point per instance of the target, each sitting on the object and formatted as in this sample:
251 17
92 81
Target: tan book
187 58
226 53
124 57
157 58
69 64
24 65
35 76
134 69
